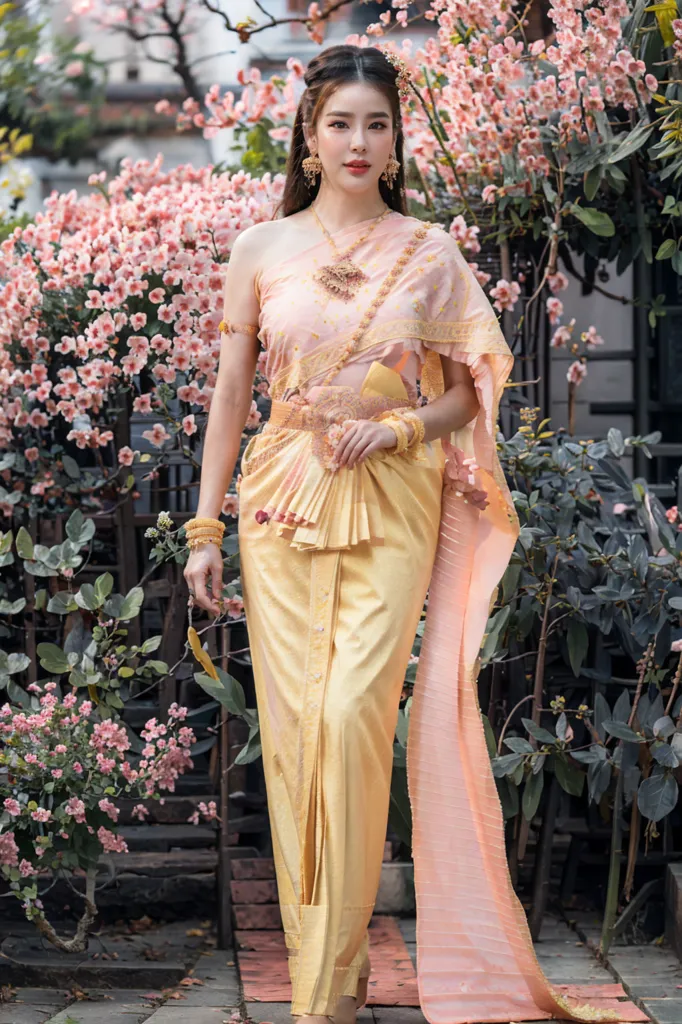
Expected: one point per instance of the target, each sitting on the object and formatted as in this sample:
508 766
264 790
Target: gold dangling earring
312 166
391 171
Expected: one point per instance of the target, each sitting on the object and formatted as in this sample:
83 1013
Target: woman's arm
233 392
230 405
455 407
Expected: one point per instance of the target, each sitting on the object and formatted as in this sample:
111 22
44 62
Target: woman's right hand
204 562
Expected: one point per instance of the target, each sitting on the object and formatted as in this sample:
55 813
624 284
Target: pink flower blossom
591 338
555 308
12 806
41 814
576 372
8 850
109 808
74 69
75 808
231 505
126 456
505 294
110 841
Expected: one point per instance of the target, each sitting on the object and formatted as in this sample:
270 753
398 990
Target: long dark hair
333 67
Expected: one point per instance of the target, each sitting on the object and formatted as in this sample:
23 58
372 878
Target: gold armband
229 327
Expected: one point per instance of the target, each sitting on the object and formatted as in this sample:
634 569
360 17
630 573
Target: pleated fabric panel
475 955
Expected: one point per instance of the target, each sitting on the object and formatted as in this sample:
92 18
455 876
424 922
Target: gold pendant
342 279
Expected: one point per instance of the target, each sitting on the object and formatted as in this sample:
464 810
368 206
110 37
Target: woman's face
354 137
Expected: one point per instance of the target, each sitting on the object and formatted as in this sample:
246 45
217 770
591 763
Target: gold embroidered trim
481 337
473 335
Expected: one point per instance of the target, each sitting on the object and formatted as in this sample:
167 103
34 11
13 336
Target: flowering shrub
117 293
62 770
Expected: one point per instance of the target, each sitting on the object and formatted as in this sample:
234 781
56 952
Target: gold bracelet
196 541
204 521
398 427
418 426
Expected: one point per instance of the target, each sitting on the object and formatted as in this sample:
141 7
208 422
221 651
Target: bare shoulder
267 242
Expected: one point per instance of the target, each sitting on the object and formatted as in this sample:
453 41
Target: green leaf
518 744
615 441
494 629
622 732
593 181
538 733
665 755
17 695
666 249
663 727
657 796
228 690
506 764
52 658
71 467
253 749
16 662
532 791
631 143
597 221
103 587
87 598
570 778
24 543
152 643
132 603
61 603
577 639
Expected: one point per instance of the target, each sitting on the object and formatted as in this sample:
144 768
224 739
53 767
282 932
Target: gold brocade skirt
334 584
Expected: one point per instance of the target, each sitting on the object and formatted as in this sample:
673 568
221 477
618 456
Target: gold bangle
398 427
204 533
418 426
204 521
196 541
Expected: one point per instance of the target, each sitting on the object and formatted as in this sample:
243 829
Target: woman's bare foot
345 1010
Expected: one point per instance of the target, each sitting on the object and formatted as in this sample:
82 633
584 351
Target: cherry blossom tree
557 146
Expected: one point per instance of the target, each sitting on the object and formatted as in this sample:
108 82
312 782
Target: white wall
607 381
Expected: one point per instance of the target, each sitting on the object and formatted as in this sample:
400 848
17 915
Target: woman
354 502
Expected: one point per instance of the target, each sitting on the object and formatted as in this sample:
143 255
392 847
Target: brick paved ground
649 973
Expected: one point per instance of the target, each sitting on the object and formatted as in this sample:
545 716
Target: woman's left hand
360 439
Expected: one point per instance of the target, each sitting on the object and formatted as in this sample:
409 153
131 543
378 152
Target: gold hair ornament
403 79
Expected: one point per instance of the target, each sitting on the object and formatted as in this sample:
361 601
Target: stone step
257 915
253 867
254 890
165 837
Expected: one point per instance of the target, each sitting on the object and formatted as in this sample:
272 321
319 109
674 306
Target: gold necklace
343 277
